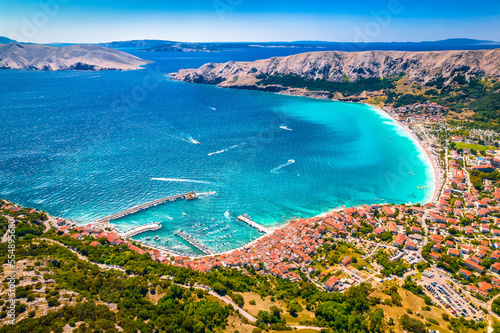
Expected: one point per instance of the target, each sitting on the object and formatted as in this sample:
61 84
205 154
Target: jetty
188 238
187 196
142 228
245 218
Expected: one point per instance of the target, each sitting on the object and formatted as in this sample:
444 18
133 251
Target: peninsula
465 81
74 57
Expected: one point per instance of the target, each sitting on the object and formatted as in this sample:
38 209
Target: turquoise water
83 145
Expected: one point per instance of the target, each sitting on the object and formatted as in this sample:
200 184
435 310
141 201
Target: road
226 299
4 237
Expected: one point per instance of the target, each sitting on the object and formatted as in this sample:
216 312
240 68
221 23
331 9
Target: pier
193 242
187 196
245 218
142 228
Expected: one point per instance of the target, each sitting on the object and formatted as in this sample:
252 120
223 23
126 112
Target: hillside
462 80
74 57
333 66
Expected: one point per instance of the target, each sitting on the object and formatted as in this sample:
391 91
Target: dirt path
4 237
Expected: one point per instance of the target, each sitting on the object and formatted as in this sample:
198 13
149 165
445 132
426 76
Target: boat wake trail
180 180
277 169
223 150
218 152
192 140
206 193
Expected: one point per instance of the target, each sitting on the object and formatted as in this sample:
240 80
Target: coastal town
449 247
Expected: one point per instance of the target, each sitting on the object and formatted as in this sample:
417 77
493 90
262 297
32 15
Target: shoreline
432 163
419 145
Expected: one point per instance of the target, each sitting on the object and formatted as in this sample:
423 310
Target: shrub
412 325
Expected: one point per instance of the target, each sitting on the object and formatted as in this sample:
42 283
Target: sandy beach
437 178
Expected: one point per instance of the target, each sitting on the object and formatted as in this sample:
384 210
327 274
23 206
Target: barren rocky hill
74 57
340 66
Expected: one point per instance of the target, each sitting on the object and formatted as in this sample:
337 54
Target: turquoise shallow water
83 145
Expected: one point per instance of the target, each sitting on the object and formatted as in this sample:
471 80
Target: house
410 245
466 249
437 238
436 247
465 273
495 268
495 256
416 229
388 211
400 240
438 219
485 228
453 252
392 227
346 261
435 255
472 265
483 212
95 243
77 236
476 259
485 286
481 254
330 284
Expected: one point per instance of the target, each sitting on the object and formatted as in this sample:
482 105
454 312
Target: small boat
410 173
148 238
156 238
184 214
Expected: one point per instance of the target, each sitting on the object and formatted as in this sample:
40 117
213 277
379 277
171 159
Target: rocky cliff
74 57
334 66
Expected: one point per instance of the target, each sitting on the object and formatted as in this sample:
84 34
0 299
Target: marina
193 242
187 196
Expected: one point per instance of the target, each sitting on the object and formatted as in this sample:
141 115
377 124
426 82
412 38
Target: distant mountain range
75 57
175 46
5 40
158 45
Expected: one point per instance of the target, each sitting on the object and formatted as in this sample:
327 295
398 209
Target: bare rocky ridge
74 57
337 66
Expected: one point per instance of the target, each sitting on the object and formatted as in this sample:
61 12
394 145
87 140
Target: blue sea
83 145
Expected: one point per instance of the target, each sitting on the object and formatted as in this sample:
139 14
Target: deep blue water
83 145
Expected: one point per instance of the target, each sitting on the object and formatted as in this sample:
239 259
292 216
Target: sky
92 21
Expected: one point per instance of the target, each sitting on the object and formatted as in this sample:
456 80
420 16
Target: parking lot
455 302
410 256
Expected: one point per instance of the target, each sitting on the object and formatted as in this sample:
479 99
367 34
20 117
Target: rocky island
74 57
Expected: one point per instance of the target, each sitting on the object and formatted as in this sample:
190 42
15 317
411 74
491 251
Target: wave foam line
180 180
